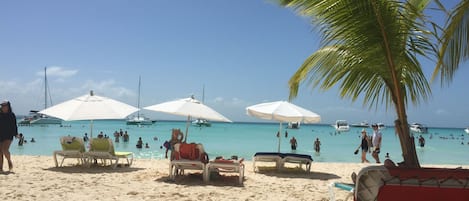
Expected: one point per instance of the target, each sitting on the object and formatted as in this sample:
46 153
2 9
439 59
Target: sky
240 53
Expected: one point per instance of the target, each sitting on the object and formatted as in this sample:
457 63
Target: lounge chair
302 159
267 157
72 147
187 157
225 165
396 183
103 149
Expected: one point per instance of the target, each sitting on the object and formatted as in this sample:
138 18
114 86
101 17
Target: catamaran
139 119
34 118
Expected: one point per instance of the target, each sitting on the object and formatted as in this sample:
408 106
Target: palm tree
369 48
454 42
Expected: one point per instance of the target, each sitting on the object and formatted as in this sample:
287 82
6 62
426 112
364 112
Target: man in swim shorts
377 136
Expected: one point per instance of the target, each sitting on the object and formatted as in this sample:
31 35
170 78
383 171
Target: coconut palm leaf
454 43
369 48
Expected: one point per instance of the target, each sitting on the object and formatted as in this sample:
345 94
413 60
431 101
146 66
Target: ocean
443 145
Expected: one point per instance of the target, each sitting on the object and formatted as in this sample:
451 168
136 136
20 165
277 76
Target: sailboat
202 122
34 117
139 119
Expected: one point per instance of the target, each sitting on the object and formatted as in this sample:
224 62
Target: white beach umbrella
190 108
90 107
282 111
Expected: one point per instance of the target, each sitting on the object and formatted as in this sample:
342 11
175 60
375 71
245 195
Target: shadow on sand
290 172
92 169
196 179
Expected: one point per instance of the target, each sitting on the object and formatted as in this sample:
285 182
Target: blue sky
243 52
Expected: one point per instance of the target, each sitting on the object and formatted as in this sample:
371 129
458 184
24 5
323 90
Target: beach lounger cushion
190 151
397 183
103 148
72 143
72 147
187 156
281 158
274 157
226 165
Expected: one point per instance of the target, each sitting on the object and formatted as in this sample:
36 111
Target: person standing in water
293 143
317 145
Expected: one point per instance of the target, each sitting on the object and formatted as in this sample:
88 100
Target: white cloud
57 71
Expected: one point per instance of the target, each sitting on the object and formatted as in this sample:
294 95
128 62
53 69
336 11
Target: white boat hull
341 126
139 121
418 128
45 120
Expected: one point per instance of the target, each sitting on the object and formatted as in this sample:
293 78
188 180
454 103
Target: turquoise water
245 139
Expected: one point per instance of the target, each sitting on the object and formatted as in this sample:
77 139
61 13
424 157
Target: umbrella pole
279 136
187 127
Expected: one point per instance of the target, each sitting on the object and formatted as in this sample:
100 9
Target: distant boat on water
341 126
418 128
363 124
201 122
466 130
139 119
34 118
294 125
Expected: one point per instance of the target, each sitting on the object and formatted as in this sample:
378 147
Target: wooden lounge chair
72 147
103 149
226 165
187 157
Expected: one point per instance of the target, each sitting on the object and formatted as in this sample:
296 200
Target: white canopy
282 111
190 108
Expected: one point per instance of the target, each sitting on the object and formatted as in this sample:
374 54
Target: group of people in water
294 142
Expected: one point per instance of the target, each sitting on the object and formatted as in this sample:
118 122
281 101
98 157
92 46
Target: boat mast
138 99
203 93
45 87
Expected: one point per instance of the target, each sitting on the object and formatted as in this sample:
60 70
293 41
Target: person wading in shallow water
293 143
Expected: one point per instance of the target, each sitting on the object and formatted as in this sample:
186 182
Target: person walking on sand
364 146
293 143
8 130
377 137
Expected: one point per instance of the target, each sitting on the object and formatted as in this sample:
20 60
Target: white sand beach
37 178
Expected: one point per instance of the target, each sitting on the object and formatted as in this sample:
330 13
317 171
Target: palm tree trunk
409 152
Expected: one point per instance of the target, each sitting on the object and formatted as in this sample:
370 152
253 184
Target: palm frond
454 44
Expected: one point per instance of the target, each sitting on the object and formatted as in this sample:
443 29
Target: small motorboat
341 126
418 128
